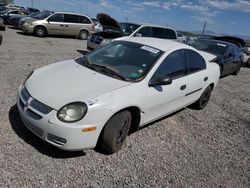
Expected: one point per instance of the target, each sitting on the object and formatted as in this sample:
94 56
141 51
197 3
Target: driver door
165 99
55 24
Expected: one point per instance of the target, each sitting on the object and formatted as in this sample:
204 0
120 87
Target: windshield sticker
221 45
150 49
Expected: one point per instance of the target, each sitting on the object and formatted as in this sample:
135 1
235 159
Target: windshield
128 28
214 47
42 15
128 61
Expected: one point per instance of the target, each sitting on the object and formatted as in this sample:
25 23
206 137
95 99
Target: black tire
248 62
237 70
203 100
40 31
115 132
83 34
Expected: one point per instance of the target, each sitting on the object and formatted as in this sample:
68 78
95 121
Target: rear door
229 61
55 24
197 76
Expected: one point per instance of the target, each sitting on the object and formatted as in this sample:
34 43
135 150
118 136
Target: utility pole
204 28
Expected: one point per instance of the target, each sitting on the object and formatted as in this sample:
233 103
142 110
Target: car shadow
49 36
83 52
40 145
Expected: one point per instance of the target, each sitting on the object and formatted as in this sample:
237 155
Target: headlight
106 41
27 77
72 112
28 24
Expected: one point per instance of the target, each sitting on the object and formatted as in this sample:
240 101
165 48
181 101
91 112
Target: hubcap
122 133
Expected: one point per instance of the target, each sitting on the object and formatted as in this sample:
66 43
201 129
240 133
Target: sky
222 16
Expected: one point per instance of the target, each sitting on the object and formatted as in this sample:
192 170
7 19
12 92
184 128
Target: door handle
183 87
61 25
206 78
66 25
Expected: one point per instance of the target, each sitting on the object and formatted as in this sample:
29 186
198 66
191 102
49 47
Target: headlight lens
72 112
28 24
27 77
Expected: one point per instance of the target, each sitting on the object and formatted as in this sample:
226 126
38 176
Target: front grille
25 94
21 104
40 106
33 115
36 130
55 139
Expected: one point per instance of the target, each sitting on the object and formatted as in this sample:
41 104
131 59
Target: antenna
204 27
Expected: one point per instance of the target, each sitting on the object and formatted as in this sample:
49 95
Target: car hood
61 83
106 20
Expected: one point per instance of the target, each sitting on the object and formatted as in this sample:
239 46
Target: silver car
61 23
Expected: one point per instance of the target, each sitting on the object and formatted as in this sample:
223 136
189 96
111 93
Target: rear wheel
40 31
115 132
83 34
203 100
237 70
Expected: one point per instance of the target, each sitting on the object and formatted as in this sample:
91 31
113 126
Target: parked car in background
181 38
39 16
2 25
228 55
101 97
112 30
14 7
14 20
8 13
61 23
32 9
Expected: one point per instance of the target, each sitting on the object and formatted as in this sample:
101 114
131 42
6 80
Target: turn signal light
89 129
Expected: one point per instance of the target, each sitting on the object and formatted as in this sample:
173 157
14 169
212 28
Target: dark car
14 20
228 54
7 14
2 25
32 9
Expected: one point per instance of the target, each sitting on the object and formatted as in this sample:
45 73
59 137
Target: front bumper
27 29
66 136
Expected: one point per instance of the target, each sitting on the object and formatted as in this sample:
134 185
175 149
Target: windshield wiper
109 70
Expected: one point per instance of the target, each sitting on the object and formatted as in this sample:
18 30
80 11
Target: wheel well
136 117
83 30
42 27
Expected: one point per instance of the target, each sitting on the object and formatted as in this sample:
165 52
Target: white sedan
98 99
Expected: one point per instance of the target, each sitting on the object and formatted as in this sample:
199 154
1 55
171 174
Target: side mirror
166 80
138 35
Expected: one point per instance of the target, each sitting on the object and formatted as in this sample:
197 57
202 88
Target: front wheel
40 31
115 132
203 100
83 35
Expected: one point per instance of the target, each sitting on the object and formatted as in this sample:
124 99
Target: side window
230 51
173 66
164 33
56 18
195 61
145 31
84 20
71 18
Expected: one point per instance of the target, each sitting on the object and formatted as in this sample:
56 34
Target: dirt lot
208 148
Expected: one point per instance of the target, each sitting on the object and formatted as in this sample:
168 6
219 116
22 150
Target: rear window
158 32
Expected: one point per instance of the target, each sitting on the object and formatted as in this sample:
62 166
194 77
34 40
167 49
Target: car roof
161 44
218 41
71 13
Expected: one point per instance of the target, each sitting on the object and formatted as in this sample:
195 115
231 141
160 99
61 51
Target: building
6 2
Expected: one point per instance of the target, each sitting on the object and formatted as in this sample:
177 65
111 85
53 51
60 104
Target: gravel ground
207 148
